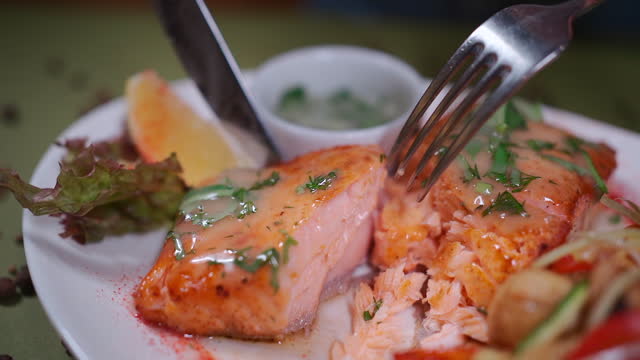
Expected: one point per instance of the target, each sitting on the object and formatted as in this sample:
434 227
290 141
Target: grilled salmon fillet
260 271
453 236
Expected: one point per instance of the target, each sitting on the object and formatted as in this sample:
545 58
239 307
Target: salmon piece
405 229
383 318
263 275
468 253
556 205
448 307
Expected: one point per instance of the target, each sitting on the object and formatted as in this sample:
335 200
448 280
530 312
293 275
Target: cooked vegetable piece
625 238
606 302
622 328
532 294
569 265
630 210
565 315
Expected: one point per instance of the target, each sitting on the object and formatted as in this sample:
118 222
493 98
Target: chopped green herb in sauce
502 168
539 145
470 172
513 118
483 188
270 257
288 242
600 183
565 163
322 182
520 182
270 181
505 203
240 200
341 110
473 147
368 315
574 144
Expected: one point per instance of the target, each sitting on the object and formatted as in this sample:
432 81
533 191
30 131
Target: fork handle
579 7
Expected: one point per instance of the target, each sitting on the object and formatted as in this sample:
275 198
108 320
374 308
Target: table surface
56 62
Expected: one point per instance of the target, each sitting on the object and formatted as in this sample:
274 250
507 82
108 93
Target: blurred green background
58 59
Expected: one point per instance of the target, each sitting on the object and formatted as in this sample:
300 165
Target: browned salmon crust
332 228
556 204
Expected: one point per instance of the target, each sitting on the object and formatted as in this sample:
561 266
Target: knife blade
207 59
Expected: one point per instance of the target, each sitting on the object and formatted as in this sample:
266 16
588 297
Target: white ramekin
322 70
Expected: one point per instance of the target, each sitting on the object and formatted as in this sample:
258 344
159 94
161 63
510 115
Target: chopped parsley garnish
503 169
368 315
241 206
574 144
483 188
565 163
245 208
531 111
270 181
520 180
203 219
288 242
474 147
196 196
502 159
591 169
539 145
600 184
470 172
322 182
270 257
505 202
513 118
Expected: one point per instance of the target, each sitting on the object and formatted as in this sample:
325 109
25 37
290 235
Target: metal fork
503 53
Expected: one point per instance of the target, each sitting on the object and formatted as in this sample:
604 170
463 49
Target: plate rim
119 104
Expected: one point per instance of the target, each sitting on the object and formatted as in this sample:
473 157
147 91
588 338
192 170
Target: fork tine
474 122
481 62
454 122
451 68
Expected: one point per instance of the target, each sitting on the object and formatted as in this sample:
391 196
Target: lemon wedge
161 123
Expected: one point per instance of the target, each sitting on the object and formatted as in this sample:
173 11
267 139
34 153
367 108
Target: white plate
86 289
